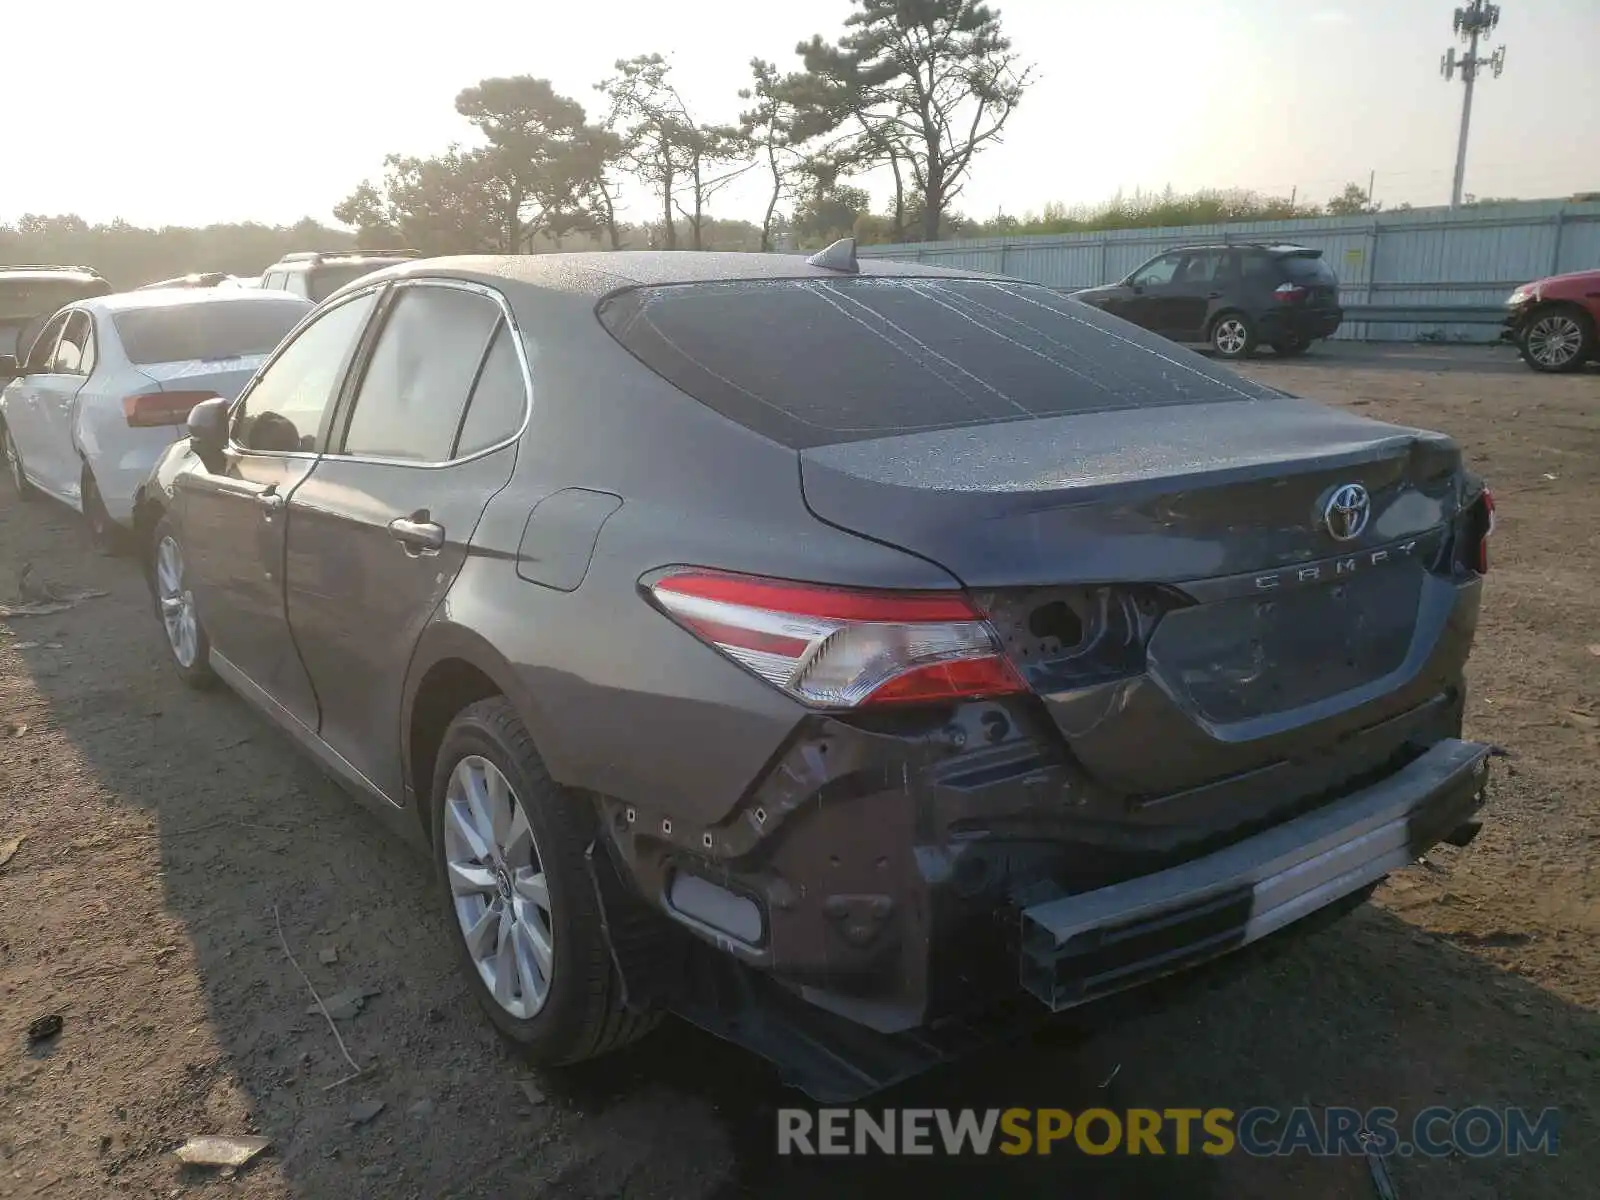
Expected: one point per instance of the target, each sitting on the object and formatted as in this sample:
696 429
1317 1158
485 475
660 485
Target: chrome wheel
497 887
1555 340
177 603
1230 336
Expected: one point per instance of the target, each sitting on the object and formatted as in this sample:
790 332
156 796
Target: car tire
109 538
19 478
1292 347
1557 339
175 609
1233 336
518 897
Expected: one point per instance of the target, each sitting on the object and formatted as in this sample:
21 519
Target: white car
109 382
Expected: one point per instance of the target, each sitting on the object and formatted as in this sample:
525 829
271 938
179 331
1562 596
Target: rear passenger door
381 526
1202 282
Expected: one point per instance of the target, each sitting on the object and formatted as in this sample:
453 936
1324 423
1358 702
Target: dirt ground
168 834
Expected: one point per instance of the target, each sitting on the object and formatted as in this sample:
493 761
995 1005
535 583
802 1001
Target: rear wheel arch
452 669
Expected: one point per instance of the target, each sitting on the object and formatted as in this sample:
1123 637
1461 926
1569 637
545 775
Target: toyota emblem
1347 512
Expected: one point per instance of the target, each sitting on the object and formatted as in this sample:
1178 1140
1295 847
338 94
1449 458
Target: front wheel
1233 336
19 477
186 639
1557 340
510 845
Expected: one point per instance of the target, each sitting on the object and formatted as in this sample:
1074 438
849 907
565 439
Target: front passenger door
232 521
380 528
24 406
1149 286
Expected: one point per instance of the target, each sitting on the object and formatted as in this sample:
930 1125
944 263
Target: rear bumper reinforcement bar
1078 948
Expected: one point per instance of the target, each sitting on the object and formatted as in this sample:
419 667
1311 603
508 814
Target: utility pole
1472 22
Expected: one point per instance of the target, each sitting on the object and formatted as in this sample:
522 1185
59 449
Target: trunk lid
1168 578
1156 495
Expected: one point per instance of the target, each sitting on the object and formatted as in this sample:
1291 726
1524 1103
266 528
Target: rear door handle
1213 295
417 537
270 502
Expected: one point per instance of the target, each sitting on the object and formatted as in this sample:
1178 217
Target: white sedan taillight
834 647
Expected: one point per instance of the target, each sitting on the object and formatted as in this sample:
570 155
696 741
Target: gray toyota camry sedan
860 660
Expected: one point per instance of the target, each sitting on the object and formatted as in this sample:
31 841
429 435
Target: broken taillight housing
150 409
1483 527
831 647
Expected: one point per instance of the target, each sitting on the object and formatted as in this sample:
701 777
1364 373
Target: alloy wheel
1554 340
177 603
498 887
1230 336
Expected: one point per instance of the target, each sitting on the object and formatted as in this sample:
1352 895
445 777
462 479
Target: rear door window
214 330
423 367
499 398
809 362
73 354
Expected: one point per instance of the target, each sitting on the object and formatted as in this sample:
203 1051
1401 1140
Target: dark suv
31 295
857 659
317 274
1233 297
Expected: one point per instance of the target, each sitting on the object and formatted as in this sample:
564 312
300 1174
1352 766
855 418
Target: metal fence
1426 257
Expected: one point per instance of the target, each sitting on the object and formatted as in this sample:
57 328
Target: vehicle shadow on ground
1445 357
249 835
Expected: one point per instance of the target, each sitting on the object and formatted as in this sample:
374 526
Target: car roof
172 297
597 273
1269 247
80 274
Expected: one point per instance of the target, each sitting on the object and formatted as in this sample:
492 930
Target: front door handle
270 503
417 537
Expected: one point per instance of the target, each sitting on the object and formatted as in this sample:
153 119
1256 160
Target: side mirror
1135 288
208 428
10 368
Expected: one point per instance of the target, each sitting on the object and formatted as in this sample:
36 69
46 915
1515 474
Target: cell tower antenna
1472 21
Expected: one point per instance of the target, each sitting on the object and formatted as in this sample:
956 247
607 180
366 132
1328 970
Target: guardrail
1425 314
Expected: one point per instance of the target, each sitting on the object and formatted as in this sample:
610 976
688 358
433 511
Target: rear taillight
842 648
1485 525
1289 293
161 408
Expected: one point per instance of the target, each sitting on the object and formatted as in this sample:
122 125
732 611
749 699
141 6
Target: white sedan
109 382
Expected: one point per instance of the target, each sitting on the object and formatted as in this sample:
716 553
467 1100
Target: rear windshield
324 281
209 330
1305 268
24 299
813 362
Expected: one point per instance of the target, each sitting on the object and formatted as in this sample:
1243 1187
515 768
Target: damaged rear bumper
1078 948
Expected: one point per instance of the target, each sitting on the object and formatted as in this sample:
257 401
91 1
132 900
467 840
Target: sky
186 112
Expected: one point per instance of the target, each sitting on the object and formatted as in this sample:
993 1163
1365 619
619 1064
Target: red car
1553 321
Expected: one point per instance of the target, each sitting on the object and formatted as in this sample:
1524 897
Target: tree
364 210
826 213
538 156
929 82
777 125
453 203
598 151
1352 202
664 147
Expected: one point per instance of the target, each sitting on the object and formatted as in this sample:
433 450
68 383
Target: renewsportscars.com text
1476 1132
